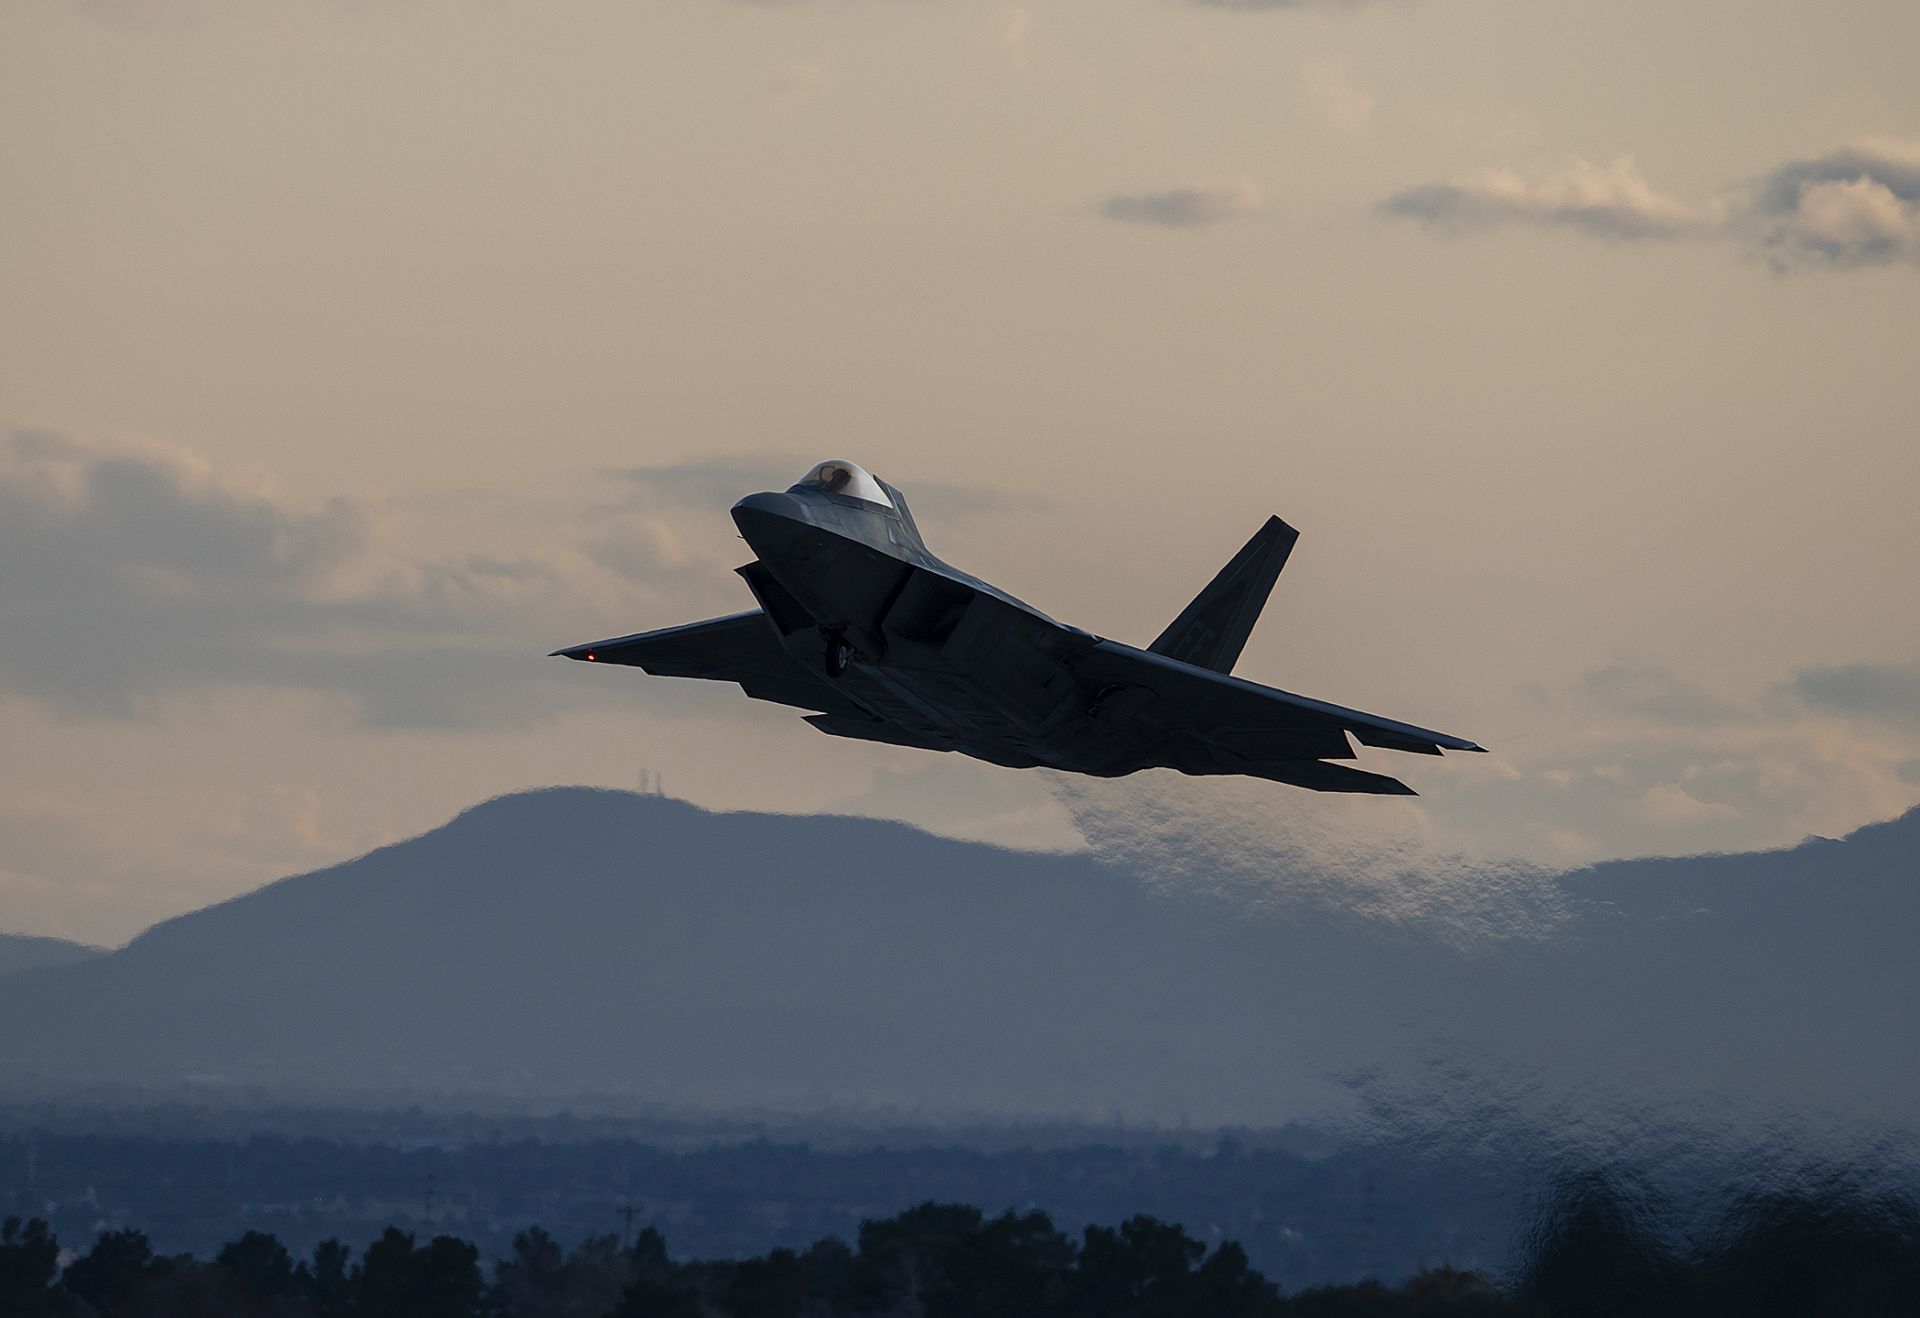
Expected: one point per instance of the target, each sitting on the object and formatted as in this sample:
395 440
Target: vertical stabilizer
1211 631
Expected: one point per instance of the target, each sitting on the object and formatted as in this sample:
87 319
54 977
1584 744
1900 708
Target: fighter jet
861 624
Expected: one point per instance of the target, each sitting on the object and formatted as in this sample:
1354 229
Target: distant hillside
576 941
25 952
1786 980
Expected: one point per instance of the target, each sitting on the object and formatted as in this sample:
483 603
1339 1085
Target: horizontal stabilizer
891 734
1400 741
1322 777
1242 719
1212 631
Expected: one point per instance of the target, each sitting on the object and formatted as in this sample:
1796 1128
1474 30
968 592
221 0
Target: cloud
131 575
98 866
1632 759
1611 202
1186 208
646 550
710 482
165 518
1857 206
1669 803
1887 693
1852 207
1649 691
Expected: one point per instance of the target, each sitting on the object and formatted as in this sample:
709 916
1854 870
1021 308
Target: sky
354 356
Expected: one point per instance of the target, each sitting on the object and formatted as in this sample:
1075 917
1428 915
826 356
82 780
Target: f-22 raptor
860 623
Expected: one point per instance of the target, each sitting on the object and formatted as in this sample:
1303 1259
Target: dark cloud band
1185 208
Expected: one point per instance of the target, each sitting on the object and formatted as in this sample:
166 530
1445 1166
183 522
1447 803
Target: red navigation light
589 656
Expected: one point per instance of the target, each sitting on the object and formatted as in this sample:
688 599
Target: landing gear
839 655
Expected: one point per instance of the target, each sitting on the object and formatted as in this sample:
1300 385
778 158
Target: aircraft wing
1215 723
740 647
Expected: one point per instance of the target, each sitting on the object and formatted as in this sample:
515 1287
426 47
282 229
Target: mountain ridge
792 959
593 941
20 952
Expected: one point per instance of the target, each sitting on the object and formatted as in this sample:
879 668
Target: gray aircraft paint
859 622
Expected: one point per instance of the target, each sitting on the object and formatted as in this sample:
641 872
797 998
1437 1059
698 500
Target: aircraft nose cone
769 519
770 504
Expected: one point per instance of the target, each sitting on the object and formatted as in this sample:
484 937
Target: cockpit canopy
840 477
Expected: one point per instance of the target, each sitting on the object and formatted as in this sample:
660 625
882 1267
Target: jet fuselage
859 622
936 652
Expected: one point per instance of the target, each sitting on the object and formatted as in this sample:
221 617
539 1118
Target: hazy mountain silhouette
1777 985
578 940
28 952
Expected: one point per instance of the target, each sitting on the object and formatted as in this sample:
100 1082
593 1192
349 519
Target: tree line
1597 1252
1328 1214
